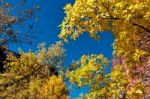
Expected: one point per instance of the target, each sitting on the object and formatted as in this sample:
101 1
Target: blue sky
51 15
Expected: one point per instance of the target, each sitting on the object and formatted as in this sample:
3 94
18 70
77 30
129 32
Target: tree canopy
42 74
129 21
34 75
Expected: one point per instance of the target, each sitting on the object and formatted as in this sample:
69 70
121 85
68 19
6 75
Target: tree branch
112 17
107 8
140 26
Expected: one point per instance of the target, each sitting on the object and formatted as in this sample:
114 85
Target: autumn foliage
41 74
129 20
34 75
12 18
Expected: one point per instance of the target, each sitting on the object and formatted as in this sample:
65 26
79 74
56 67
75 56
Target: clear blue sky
51 15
